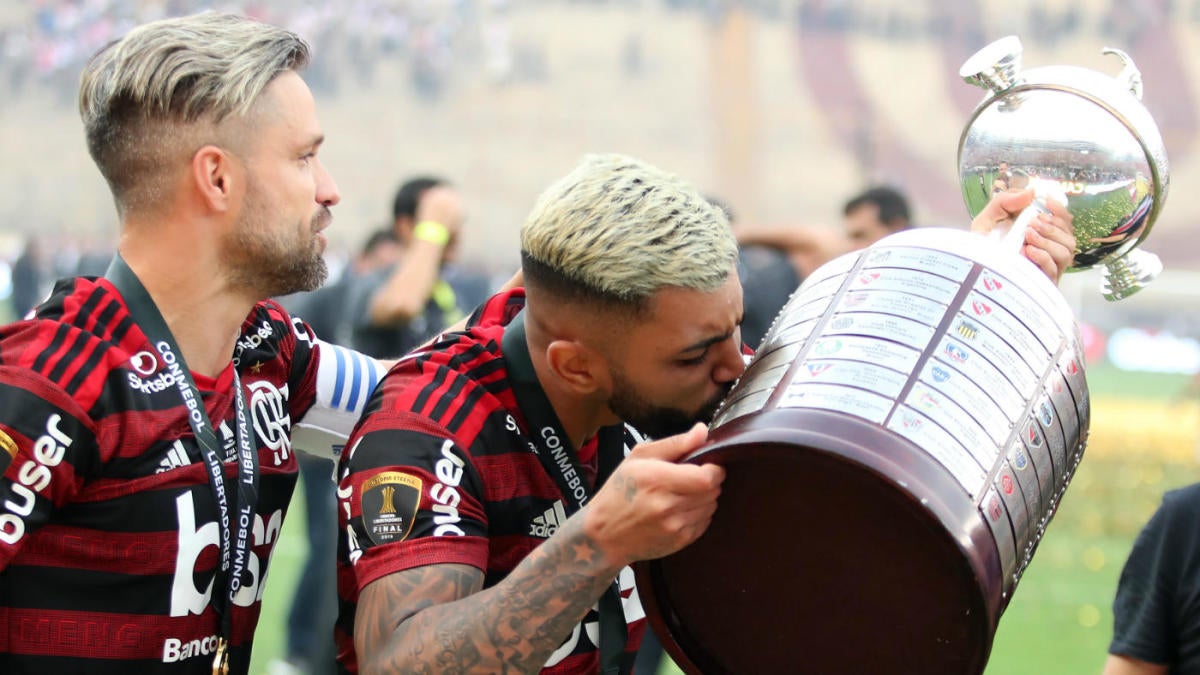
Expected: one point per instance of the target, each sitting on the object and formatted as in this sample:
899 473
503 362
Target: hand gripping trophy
899 443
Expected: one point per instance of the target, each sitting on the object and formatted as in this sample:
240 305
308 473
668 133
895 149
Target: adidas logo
176 457
546 525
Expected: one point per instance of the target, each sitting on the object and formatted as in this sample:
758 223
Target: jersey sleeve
345 380
409 496
47 447
1144 621
330 386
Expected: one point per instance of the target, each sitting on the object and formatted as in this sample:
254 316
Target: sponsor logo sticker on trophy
897 448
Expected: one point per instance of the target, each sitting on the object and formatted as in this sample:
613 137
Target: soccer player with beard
146 417
491 499
466 542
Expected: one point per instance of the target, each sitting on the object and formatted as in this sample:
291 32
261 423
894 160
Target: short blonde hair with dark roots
616 230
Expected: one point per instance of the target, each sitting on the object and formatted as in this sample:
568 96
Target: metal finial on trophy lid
996 67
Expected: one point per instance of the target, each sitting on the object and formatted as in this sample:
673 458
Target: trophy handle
1129 76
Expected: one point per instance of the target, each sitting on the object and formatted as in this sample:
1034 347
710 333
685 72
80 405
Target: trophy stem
1129 274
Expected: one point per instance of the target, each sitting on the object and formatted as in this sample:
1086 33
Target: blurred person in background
394 309
867 217
28 278
310 648
773 261
94 255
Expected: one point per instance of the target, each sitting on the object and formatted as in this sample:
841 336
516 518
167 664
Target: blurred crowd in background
47 41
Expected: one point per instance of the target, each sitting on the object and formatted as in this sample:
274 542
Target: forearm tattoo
435 620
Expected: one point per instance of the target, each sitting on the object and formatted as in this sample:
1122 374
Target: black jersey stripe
105 316
87 308
466 407
449 397
120 330
74 351
60 336
458 366
488 370
52 307
80 377
461 360
435 383
87 370
105 590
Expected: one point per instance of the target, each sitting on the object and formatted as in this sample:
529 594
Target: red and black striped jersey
108 526
439 471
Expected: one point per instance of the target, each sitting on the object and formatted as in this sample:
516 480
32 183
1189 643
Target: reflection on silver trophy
898 445
1075 133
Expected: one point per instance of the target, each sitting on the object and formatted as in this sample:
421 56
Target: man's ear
217 175
579 367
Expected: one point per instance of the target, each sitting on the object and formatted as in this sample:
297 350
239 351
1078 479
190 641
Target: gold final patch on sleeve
9 446
389 506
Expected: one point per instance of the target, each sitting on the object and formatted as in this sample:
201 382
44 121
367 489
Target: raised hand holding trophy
904 434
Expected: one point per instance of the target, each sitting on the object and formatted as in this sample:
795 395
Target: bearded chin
306 275
660 422
271 270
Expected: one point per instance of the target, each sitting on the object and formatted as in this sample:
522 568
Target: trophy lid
1081 132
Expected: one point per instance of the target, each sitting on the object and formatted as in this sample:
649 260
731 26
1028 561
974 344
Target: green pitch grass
1060 617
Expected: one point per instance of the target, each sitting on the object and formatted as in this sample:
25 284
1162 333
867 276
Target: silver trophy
902 438
1076 135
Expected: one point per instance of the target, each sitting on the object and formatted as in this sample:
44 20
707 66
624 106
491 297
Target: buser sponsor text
33 478
449 472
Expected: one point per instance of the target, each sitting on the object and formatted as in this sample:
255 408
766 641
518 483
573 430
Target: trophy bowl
1079 136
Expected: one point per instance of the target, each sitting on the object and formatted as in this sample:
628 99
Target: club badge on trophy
901 439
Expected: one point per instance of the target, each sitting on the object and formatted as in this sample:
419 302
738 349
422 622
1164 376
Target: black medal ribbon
236 529
560 461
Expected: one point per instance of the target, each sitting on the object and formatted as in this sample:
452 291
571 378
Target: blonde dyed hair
617 230
162 91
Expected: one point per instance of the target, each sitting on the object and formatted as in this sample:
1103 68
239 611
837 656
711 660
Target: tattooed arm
435 619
